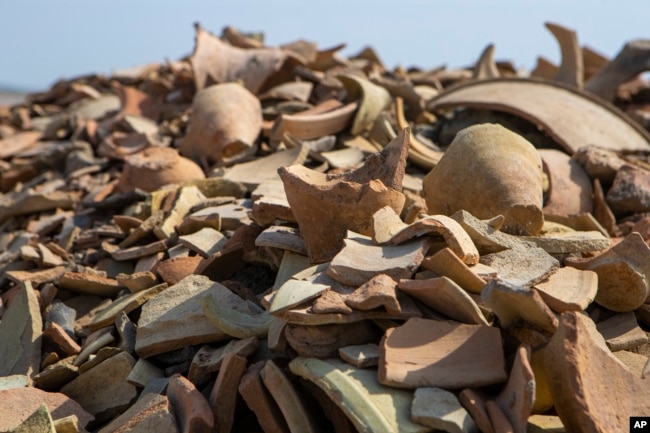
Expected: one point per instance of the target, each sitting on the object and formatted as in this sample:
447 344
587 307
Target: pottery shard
191 407
569 289
155 167
592 391
440 409
326 206
442 354
379 291
260 401
630 192
151 413
103 390
501 174
324 341
223 397
20 334
361 259
17 404
226 120
570 191
174 318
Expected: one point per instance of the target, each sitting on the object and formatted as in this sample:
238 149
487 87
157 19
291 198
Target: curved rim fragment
572 118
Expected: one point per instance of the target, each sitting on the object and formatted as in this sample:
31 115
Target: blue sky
44 40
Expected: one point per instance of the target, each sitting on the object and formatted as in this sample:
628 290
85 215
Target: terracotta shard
522 267
379 291
192 409
260 401
330 301
571 70
223 397
499 420
217 61
569 289
622 332
517 398
442 354
475 402
324 341
152 412
226 120
570 191
360 260
630 192
361 356
591 389
373 99
512 303
447 264
485 66
623 273
571 118
475 159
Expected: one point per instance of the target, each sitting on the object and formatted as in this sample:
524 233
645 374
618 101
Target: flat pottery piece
360 356
360 260
126 304
622 332
522 267
545 424
569 289
623 274
286 238
379 291
38 422
573 119
570 242
475 159
517 398
634 362
440 409
288 399
373 99
223 396
260 401
293 293
324 341
241 320
514 303
371 407
442 354
445 296
487 234
591 389
447 264
205 242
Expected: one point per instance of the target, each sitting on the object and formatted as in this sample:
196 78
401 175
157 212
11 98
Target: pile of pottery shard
282 239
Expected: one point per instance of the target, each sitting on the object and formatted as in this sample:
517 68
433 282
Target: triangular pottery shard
326 207
444 354
220 62
571 70
591 389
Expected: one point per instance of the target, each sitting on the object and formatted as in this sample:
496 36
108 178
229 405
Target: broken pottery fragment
545 424
361 355
223 396
569 289
324 341
373 99
486 67
570 191
330 301
288 399
571 118
623 273
512 303
239 324
226 120
260 401
442 354
630 192
327 206
622 332
475 403
518 396
522 267
124 304
440 409
209 359
192 410
445 296
205 242
591 389
370 406
156 167
447 264
499 420
571 70
152 412
378 291
293 293
38 422
477 159
360 260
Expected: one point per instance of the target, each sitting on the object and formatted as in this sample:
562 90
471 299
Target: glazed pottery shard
443 354
226 120
591 389
571 118
501 174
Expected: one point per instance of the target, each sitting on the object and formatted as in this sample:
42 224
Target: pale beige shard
522 267
360 356
187 197
517 398
475 159
447 264
378 291
623 274
20 334
250 322
137 281
205 242
192 410
487 234
343 158
223 396
442 354
622 332
327 206
569 289
371 407
515 303
38 422
486 67
103 390
591 389
373 99
144 371
570 242
292 263
293 293
571 70
126 304
288 399
635 362
174 318
445 296
419 153
89 284
545 424
284 237
440 409
454 235
386 223
360 260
